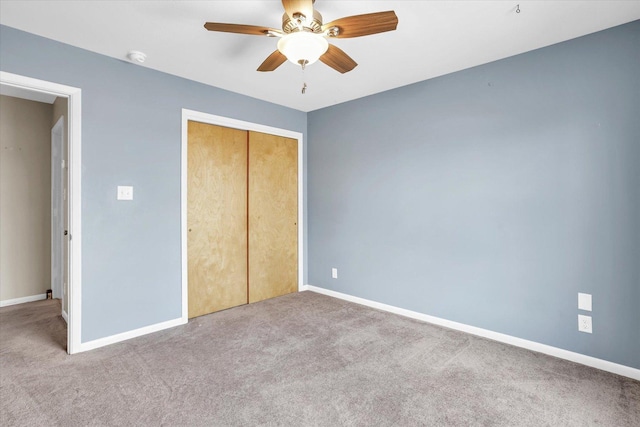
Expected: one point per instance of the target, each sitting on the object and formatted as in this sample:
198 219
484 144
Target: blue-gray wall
131 135
492 196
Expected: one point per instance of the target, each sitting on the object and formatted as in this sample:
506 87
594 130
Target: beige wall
59 110
25 197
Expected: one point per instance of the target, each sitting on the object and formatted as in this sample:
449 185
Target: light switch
125 192
584 302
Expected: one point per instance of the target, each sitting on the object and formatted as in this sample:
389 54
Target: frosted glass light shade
303 46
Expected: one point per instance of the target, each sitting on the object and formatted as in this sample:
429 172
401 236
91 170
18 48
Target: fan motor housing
291 25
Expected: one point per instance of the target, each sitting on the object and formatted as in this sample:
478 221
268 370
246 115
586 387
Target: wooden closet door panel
216 218
273 216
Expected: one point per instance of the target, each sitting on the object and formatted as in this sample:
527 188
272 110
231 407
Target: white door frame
74 133
242 125
57 209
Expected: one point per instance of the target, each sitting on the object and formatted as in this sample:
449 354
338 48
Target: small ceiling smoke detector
136 56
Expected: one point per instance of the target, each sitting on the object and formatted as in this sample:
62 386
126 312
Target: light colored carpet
300 360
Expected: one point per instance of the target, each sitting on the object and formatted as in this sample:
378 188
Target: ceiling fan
303 38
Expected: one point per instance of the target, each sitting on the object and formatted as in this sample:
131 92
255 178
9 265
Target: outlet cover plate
584 324
125 192
334 273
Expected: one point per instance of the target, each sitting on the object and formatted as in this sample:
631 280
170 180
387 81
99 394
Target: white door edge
57 209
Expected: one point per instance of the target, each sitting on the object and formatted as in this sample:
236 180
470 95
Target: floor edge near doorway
101 342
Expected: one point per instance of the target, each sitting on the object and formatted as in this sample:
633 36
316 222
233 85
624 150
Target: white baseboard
593 362
101 342
65 316
22 300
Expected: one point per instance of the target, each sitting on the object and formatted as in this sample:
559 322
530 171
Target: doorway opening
68 160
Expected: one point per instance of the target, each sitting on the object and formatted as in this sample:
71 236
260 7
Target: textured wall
131 132
492 196
25 197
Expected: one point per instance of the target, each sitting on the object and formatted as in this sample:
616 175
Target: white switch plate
125 192
584 324
334 273
584 301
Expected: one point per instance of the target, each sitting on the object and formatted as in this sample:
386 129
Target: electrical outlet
584 324
125 192
334 273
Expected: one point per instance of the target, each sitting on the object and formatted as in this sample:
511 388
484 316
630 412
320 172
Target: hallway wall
25 198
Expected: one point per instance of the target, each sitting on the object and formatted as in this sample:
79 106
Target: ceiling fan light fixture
303 47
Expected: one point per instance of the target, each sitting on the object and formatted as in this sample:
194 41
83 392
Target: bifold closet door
216 218
273 216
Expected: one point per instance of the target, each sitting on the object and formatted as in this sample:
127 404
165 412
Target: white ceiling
433 38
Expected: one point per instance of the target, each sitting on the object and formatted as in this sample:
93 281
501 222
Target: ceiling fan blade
364 25
335 58
253 30
298 6
273 61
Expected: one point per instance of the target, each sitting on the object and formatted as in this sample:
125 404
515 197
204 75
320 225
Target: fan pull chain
304 84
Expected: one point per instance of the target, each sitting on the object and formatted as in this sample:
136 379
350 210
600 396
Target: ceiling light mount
136 56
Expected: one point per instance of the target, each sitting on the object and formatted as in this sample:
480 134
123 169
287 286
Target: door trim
74 141
211 119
